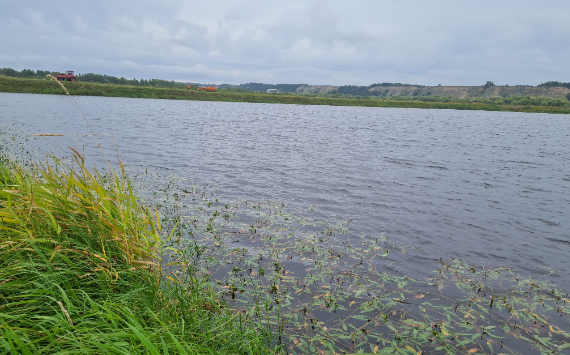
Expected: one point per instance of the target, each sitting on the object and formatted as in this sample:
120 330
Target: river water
492 188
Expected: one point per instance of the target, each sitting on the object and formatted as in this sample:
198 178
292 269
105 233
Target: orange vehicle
207 88
68 76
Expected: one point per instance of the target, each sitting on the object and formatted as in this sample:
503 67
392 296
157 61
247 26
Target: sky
351 42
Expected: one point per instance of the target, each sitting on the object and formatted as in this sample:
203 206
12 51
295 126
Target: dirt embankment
457 92
469 92
317 89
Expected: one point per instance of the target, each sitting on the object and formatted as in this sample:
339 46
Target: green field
34 86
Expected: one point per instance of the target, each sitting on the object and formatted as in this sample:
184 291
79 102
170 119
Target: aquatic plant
326 291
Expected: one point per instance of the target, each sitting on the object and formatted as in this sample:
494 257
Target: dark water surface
492 188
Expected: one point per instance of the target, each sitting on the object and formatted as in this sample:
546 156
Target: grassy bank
81 272
16 85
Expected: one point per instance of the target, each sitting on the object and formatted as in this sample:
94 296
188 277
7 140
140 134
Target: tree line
109 79
26 73
554 83
93 78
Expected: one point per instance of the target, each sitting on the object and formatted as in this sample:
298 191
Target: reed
80 271
54 199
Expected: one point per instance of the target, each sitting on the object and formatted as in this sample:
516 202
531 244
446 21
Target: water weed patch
325 291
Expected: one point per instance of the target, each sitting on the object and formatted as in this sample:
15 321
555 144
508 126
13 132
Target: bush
488 84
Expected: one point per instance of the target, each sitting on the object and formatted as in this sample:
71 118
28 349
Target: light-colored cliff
469 92
458 92
317 89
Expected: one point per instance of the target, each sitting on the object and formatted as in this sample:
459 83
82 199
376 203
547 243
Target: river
488 187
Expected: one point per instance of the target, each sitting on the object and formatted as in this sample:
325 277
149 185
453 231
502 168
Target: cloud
316 42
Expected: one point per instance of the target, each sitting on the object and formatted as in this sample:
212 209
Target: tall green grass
81 272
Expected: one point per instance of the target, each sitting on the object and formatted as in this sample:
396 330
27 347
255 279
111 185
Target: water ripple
489 187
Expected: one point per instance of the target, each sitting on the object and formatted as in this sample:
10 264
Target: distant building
272 91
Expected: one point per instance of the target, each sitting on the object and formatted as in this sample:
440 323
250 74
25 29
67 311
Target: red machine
68 76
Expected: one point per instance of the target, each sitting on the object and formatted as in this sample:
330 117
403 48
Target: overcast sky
449 42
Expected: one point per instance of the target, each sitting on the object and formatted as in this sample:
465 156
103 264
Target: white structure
272 91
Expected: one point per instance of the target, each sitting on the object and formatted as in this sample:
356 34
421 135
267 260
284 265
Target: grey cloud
317 42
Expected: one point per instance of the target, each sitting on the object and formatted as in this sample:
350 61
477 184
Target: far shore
34 86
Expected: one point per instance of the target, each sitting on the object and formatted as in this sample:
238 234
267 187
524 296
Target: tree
568 96
27 73
554 83
8 72
43 73
488 84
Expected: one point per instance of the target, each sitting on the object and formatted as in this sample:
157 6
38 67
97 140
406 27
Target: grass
17 85
81 272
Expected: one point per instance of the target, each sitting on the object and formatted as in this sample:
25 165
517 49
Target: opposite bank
17 85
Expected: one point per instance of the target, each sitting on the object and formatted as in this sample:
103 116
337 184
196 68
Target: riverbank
34 86
81 271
